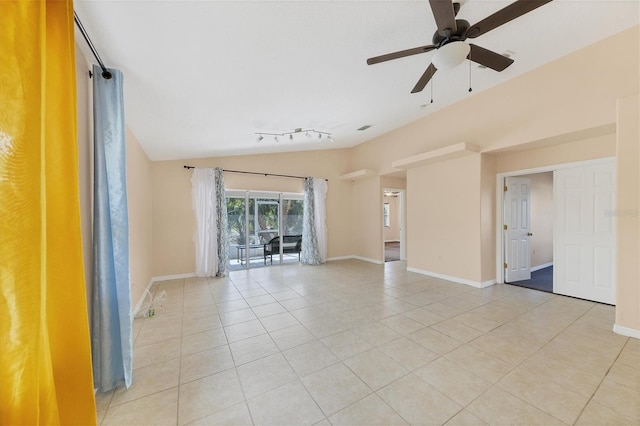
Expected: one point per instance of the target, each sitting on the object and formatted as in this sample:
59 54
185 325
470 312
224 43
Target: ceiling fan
449 39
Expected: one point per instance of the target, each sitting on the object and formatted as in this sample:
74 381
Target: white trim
544 265
353 256
160 278
487 283
173 277
367 259
144 293
500 201
626 331
476 284
331 259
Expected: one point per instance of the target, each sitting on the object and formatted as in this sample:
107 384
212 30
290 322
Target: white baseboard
487 283
626 331
476 284
173 277
156 279
144 293
331 259
544 265
366 259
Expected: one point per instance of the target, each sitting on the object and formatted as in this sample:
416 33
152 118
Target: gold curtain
45 359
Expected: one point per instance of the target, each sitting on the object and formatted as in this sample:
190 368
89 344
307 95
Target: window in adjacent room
385 215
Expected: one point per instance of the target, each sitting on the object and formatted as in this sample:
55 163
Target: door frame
500 202
403 222
249 194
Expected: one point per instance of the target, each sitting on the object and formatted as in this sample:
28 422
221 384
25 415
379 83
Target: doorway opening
528 216
583 229
264 228
393 228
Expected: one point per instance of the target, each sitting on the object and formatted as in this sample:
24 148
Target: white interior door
517 234
584 240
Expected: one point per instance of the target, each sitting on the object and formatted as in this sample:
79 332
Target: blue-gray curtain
111 336
310 254
221 225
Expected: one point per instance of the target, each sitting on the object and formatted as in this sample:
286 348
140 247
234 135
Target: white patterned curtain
314 233
210 239
320 215
222 228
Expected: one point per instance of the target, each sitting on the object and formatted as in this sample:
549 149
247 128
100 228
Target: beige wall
173 219
541 218
443 218
139 190
366 219
488 218
580 150
85 171
628 208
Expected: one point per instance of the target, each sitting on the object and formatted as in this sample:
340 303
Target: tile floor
354 343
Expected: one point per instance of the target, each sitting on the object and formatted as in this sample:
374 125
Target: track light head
260 137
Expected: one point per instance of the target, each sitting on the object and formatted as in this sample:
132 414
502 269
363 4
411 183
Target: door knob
530 234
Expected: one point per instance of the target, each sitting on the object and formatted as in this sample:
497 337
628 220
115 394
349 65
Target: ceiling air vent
507 53
365 127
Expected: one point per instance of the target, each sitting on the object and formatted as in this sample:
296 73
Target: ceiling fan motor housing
440 40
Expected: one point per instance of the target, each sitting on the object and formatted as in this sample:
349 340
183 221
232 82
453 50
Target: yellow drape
45 360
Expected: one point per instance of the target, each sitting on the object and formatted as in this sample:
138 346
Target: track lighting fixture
307 132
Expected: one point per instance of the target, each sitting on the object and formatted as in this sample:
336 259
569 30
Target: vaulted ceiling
203 77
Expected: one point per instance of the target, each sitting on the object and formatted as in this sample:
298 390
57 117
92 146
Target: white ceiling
201 77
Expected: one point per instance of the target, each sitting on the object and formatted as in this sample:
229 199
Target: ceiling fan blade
489 59
513 11
445 16
422 83
399 54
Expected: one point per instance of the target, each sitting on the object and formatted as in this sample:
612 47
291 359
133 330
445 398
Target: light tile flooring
355 343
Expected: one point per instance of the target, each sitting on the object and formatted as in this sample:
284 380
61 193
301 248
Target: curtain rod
256 173
105 73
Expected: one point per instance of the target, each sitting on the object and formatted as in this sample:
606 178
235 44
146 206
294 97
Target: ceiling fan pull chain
470 89
432 80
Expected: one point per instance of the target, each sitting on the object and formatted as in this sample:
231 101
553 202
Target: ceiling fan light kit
449 39
450 55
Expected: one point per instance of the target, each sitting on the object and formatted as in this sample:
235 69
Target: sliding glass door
256 220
